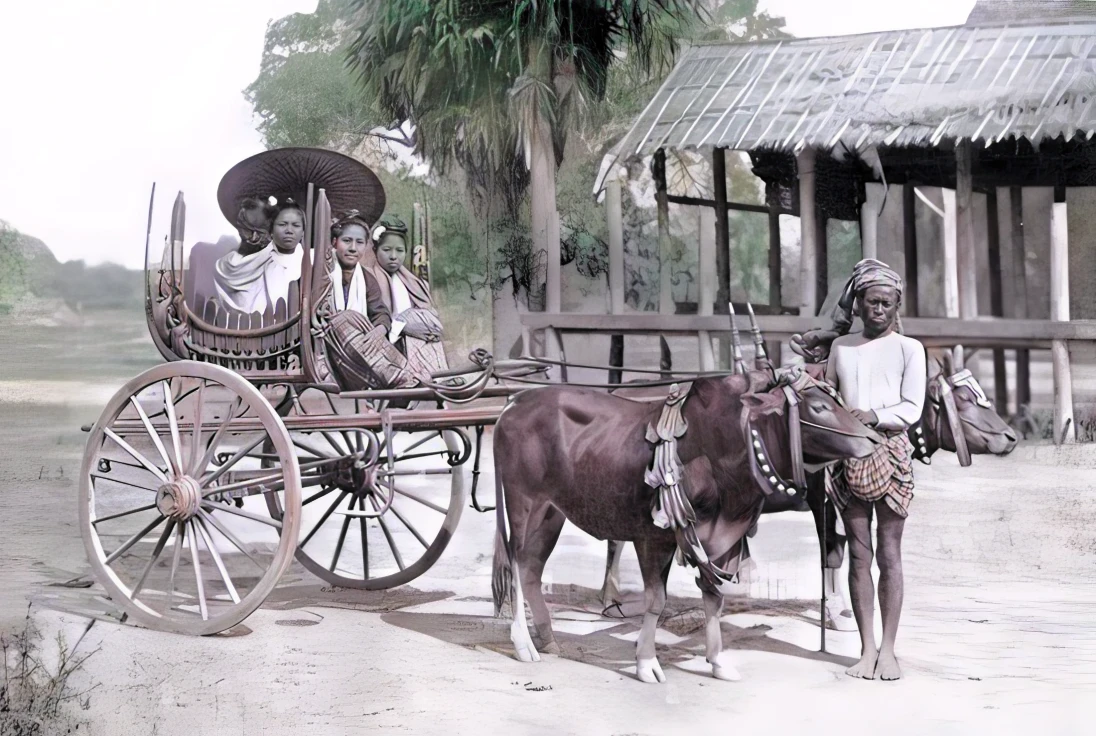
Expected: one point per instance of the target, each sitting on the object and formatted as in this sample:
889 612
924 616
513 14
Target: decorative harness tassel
672 509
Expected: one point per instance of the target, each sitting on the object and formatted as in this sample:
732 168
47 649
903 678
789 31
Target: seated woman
258 274
352 286
408 297
357 331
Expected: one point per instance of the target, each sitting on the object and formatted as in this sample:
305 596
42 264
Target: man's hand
866 417
814 345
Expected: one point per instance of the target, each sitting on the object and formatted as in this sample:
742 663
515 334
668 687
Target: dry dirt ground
998 631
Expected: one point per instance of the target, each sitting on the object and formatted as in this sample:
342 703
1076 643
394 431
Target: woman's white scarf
256 282
357 295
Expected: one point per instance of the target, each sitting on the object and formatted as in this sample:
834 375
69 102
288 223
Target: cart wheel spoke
133 540
196 442
152 433
198 572
420 499
212 520
225 578
210 506
176 553
231 462
326 515
317 496
342 536
173 422
121 514
365 536
410 528
160 544
388 535
101 476
234 411
136 455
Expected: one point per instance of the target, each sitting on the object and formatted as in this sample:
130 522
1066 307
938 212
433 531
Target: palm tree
493 86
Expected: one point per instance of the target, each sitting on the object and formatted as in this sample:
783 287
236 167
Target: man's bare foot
865 668
887 667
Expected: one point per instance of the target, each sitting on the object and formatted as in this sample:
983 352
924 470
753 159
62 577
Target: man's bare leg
857 517
891 588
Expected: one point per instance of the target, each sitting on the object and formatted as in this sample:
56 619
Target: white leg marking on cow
838 611
519 630
649 670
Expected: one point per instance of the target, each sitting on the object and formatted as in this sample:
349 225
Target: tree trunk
545 220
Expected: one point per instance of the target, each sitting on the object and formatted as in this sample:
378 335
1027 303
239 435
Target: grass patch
36 698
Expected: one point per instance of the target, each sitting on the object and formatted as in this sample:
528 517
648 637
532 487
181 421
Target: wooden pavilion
999 114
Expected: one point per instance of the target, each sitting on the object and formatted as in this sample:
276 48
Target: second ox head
957 405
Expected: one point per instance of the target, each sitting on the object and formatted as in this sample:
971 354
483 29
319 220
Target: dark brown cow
571 453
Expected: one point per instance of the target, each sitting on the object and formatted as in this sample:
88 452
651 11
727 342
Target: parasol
287 172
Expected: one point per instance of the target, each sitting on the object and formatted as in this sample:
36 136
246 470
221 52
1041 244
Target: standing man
880 374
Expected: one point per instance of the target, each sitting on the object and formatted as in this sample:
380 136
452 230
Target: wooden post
776 290
822 260
966 264
614 214
869 219
909 227
616 358
996 300
1020 310
722 245
951 263
665 284
1064 429
808 227
707 287
615 220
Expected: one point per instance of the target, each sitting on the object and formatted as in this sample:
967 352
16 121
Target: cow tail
502 576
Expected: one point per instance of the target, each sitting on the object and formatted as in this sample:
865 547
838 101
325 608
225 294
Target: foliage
473 78
35 699
304 94
28 268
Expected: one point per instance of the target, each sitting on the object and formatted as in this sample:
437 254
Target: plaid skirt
885 474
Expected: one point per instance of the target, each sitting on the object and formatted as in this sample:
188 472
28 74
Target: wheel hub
179 499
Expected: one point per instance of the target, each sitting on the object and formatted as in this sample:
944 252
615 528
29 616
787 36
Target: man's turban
867 273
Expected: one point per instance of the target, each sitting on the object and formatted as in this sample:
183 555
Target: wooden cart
204 477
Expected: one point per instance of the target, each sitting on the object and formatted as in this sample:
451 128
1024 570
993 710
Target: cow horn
761 358
738 365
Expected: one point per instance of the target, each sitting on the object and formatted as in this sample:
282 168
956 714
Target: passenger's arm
376 309
905 414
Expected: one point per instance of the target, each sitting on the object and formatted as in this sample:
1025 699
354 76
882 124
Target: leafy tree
494 86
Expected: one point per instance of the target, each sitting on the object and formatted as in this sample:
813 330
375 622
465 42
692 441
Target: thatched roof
895 88
1025 11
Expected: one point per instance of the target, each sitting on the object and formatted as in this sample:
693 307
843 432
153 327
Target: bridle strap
795 438
947 399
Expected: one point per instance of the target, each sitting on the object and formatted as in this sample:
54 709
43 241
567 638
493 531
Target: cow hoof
523 643
649 670
840 620
724 670
551 648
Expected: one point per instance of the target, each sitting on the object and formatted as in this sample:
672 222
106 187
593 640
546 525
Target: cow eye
819 407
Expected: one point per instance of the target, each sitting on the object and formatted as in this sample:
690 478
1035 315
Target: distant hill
28 269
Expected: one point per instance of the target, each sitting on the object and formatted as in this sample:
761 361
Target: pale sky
99 98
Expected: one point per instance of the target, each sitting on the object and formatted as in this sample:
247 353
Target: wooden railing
980 333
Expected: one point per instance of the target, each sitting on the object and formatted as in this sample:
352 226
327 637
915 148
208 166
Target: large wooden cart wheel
391 512
168 498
